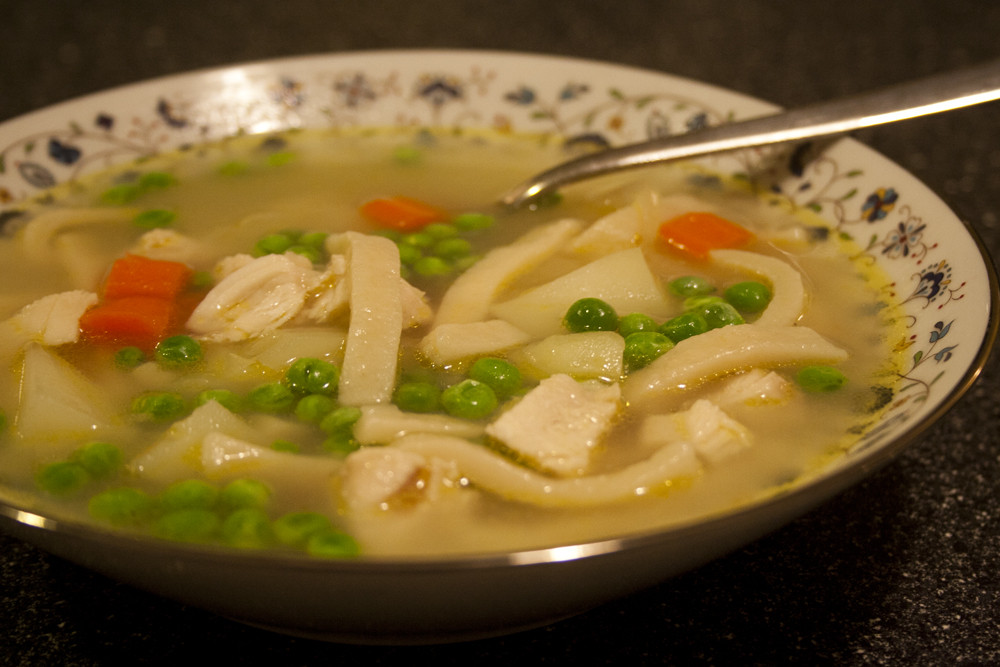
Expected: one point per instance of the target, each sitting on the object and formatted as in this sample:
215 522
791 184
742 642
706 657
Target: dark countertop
901 569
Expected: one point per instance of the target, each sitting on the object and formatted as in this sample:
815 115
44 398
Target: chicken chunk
558 424
714 434
55 319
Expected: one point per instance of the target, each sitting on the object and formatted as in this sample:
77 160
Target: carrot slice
141 321
135 275
401 213
697 233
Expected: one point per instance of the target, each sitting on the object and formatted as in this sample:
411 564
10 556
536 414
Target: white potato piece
55 319
448 343
714 435
381 424
728 350
57 401
178 453
788 294
371 351
584 355
557 425
469 298
622 279
491 472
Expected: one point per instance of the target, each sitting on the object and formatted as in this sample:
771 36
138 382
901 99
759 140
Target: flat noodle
725 351
38 233
788 300
471 295
490 471
371 350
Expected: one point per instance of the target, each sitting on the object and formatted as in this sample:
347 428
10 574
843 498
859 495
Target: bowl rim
825 484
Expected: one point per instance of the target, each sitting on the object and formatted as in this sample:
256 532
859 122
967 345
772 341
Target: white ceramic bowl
937 268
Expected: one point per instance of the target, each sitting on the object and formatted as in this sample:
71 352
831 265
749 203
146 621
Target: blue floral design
439 89
289 93
572 91
166 111
904 238
104 121
63 153
354 90
523 96
878 204
36 174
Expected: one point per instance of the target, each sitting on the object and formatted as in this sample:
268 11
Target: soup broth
409 377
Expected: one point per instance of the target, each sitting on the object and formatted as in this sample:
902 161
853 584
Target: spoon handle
942 92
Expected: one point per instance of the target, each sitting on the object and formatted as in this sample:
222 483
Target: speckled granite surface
899 570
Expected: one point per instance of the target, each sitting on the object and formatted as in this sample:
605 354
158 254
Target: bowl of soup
272 349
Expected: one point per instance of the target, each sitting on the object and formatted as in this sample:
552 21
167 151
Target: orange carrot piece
401 213
142 321
697 233
135 275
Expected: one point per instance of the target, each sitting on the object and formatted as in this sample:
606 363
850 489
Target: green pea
159 405
721 314
247 528
409 254
156 179
591 314
440 230
280 158
202 280
285 446
189 494
295 529
686 286
312 376
62 478
123 506
272 244
417 397
431 267
469 399
500 375
129 357
408 155
341 420
120 194
820 379
245 493
684 326
272 397
188 525
643 347
633 322
749 296
452 248
178 351
468 222
341 444
234 168
154 218
228 399
100 459
309 252
314 240
419 239
314 407
332 543
697 303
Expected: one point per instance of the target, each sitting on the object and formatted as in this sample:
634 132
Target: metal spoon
943 92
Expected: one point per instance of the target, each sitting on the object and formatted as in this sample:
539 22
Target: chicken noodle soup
327 344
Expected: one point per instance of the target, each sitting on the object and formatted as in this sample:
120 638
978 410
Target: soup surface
332 344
